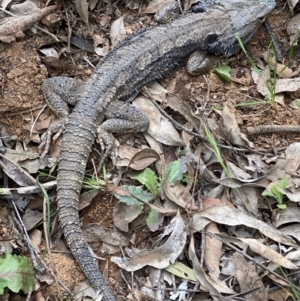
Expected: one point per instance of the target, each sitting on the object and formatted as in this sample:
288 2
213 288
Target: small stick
273 129
35 26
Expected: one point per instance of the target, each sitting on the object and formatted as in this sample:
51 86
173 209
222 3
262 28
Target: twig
22 229
35 26
69 28
46 232
9 193
25 111
273 129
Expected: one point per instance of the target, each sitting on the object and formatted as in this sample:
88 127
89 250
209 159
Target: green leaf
268 193
174 174
155 218
274 190
148 178
281 206
16 273
182 271
224 73
175 170
139 192
295 104
282 183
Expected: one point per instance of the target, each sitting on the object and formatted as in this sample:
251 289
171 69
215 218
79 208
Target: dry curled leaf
160 128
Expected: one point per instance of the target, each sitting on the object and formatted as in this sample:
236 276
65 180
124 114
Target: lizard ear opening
212 38
214 45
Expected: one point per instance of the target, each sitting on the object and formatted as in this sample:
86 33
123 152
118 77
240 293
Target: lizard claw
58 126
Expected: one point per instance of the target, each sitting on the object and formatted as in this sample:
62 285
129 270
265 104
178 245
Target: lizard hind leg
121 117
59 92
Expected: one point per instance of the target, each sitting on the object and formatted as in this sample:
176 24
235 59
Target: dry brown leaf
279 295
291 214
292 230
157 91
31 218
36 239
15 173
101 44
178 195
82 43
204 280
154 6
287 84
86 198
212 256
178 105
4 3
188 3
124 214
268 253
92 4
261 80
292 4
173 101
283 71
156 146
82 7
96 232
42 124
231 127
84 291
162 256
160 128
248 279
135 158
281 85
117 31
145 155
288 164
293 28
224 215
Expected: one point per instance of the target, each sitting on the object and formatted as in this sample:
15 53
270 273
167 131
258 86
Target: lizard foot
107 143
58 126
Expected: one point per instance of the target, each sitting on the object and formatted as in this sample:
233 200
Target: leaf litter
178 196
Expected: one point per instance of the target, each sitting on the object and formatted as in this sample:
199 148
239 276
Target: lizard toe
58 126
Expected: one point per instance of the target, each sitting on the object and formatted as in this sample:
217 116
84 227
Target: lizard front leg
59 92
121 117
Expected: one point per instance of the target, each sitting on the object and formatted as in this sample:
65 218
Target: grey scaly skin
139 59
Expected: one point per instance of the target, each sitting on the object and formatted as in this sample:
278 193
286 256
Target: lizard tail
71 172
